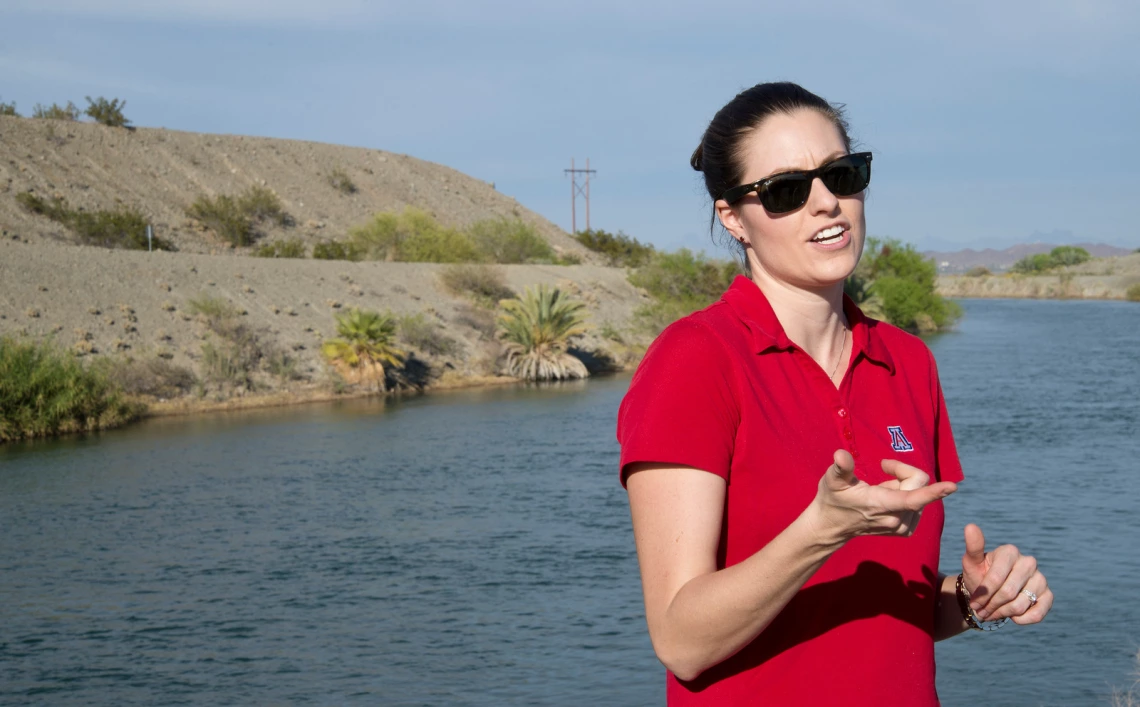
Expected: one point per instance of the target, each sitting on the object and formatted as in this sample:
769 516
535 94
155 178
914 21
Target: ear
731 221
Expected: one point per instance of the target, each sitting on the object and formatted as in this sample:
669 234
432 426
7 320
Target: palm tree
537 329
365 346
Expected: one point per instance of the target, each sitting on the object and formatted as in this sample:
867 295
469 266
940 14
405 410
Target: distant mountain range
963 260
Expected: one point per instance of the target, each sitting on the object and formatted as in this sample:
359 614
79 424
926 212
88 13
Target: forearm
714 615
948 621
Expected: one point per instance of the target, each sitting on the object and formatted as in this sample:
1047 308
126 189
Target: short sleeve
682 406
949 466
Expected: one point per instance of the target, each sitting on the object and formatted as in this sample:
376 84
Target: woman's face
789 247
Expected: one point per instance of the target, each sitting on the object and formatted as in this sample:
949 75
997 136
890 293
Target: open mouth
829 235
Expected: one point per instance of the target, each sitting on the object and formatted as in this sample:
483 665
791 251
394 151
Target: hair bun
697 158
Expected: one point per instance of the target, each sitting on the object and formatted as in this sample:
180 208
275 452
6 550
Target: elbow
682 664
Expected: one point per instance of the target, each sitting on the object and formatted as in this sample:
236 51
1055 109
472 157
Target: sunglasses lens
847 176
785 193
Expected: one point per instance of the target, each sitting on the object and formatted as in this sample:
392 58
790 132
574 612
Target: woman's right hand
846 507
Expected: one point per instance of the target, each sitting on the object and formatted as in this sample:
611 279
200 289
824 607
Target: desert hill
161 172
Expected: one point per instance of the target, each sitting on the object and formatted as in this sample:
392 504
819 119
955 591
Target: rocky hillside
161 172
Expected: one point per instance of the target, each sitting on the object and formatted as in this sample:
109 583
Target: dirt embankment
137 304
161 172
1099 278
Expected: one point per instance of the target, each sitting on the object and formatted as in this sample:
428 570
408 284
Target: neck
812 318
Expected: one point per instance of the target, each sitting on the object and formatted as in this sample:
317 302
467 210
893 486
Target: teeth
828 233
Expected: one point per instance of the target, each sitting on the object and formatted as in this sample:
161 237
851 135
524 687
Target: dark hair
718 155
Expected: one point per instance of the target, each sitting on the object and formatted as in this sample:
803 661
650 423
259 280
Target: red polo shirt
724 390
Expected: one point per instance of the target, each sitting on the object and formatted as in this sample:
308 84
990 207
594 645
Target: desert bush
213 308
898 280
291 248
338 179
365 345
1132 294
680 283
537 329
336 250
46 391
1043 262
150 376
236 218
978 271
124 227
9 109
108 113
486 284
56 111
427 336
280 364
412 236
568 258
619 249
503 240
224 365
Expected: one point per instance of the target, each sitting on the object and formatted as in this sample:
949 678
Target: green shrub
56 112
620 250
9 109
124 227
412 236
45 391
336 250
486 284
291 248
1132 294
899 281
338 179
680 283
235 218
108 113
427 336
1058 257
568 258
978 271
503 240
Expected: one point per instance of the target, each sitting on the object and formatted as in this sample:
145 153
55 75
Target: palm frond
537 329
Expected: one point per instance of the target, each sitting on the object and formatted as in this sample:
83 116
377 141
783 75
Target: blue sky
992 123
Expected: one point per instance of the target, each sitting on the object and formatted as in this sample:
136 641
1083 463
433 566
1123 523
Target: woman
779 449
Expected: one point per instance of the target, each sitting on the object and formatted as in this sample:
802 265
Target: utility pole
576 189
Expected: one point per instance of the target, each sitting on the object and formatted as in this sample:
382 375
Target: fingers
974 561
910 477
917 499
844 467
1037 611
1009 573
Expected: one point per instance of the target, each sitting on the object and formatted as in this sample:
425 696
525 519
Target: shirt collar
754 310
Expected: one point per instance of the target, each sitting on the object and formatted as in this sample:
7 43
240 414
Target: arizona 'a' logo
899 442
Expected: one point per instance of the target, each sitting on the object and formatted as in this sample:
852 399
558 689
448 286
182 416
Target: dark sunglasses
788 191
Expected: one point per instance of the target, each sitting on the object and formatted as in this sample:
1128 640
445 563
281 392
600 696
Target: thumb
975 557
843 469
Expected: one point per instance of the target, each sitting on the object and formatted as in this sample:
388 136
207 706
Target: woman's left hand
1003 582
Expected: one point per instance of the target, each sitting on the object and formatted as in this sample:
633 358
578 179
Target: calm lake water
474 548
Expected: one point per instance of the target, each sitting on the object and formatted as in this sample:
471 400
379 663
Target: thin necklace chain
839 359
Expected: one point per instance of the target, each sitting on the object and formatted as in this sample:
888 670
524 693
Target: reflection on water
474 547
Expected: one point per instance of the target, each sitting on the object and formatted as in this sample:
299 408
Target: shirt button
846 434
843 412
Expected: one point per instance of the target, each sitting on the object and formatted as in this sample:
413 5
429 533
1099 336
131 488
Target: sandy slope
160 172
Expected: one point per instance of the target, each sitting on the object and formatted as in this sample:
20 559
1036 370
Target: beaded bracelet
968 614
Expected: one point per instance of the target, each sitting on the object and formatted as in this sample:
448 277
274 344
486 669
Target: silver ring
1032 597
